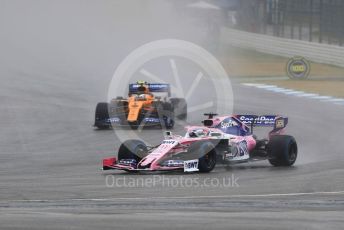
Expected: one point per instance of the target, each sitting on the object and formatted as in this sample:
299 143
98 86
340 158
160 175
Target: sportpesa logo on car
228 124
262 120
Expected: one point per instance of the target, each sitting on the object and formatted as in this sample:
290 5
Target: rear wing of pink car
276 121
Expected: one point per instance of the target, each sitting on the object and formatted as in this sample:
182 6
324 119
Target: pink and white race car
224 139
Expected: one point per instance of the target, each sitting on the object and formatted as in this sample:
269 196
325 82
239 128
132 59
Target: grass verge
254 67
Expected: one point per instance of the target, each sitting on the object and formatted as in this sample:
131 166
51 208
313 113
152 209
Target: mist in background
83 39
57 59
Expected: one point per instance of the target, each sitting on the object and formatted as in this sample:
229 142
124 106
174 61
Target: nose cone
134 111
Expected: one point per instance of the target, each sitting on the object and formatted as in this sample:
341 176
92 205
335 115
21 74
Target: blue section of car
154 87
151 120
231 126
114 120
265 120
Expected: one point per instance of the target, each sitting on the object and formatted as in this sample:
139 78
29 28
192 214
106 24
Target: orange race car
141 108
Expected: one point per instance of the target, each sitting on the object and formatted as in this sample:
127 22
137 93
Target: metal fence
310 20
316 52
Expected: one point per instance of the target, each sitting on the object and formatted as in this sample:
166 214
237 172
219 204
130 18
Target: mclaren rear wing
153 88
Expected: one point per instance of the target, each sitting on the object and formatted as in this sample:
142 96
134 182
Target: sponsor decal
158 86
173 163
298 68
114 120
280 123
228 124
169 142
191 166
128 162
259 120
165 146
238 149
150 86
242 147
152 120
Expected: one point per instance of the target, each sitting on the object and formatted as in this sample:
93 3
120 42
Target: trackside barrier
316 52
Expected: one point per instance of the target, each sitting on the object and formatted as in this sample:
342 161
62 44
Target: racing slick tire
206 154
165 112
180 108
102 113
169 115
132 149
134 125
282 150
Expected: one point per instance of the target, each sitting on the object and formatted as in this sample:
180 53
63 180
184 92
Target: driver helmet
143 88
197 133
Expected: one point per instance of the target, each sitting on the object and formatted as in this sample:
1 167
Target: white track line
250 84
290 92
266 86
281 90
275 89
323 97
294 92
335 100
187 197
308 95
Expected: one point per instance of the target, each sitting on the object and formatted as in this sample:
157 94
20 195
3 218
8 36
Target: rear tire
169 115
282 150
165 112
180 108
134 125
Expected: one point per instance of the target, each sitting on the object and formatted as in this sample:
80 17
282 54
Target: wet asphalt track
53 72
50 168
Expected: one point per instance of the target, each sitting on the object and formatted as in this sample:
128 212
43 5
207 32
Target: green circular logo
298 68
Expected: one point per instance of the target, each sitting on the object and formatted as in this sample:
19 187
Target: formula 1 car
141 108
226 139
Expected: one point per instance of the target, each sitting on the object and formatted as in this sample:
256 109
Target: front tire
101 114
282 150
132 149
205 153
